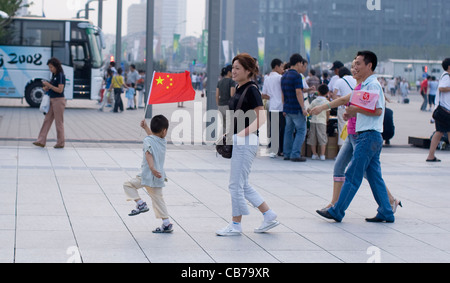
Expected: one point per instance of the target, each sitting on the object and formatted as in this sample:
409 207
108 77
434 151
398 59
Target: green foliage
10 7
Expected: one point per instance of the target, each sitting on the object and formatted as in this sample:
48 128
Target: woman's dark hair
57 64
248 62
344 71
158 124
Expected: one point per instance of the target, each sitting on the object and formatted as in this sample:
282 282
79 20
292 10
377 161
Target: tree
10 7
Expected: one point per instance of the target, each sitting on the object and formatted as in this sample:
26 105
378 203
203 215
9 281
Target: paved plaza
69 206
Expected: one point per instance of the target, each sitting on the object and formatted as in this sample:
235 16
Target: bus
29 43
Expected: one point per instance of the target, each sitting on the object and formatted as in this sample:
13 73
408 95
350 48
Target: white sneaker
314 157
323 158
266 226
228 231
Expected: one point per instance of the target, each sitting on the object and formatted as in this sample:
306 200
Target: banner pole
149 94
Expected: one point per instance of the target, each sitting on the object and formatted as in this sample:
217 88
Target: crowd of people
114 84
283 101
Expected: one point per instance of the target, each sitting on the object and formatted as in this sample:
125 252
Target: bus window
40 33
11 34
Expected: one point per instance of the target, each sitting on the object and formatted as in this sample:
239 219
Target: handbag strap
241 99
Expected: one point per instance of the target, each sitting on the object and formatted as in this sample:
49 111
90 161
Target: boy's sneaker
163 229
142 208
266 226
228 231
314 157
323 158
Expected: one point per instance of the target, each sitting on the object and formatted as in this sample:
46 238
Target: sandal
143 208
433 160
163 229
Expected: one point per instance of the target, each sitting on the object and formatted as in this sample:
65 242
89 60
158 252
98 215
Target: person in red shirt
423 92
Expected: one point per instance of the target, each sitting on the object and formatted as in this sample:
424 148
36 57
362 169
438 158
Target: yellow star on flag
160 81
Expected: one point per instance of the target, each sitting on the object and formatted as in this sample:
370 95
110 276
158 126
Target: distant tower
24 10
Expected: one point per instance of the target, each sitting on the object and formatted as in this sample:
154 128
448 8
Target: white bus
30 42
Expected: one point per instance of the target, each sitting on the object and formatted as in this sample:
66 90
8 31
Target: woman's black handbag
224 146
224 149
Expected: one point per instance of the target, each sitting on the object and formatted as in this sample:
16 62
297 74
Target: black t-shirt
224 86
252 100
58 79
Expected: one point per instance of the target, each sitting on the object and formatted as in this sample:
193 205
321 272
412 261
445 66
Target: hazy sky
68 9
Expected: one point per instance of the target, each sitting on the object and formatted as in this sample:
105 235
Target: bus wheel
34 94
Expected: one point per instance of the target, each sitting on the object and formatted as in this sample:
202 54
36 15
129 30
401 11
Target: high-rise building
340 24
170 18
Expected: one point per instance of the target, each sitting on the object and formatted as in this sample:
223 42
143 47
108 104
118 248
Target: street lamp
79 11
100 11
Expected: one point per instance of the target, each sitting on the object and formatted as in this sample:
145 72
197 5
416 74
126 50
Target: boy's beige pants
131 188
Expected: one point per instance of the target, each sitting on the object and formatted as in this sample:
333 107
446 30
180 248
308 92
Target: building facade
338 24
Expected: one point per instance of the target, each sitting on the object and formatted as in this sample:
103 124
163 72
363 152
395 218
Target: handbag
45 104
224 146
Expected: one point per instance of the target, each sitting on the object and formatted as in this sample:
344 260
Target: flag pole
149 94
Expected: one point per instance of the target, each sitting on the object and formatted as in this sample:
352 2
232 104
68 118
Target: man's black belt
362 132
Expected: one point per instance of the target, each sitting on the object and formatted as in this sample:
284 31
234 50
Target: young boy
153 176
318 129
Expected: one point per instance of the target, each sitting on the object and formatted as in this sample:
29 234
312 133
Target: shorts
442 119
317 134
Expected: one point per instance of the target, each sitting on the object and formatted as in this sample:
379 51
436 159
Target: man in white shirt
336 66
442 112
272 92
342 87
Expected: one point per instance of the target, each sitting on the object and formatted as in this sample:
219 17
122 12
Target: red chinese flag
171 88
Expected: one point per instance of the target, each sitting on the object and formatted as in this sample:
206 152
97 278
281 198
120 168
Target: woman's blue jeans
366 158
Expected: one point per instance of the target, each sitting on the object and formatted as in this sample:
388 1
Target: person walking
117 84
132 78
55 89
248 119
342 86
442 113
404 89
272 92
369 142
107 94
152 177
432 91
294 110
423 92
226 88
346 152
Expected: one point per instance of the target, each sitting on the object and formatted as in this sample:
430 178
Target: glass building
339 24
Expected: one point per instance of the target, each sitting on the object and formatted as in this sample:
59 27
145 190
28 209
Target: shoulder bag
223 146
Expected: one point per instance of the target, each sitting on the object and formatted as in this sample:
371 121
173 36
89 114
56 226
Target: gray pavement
68 205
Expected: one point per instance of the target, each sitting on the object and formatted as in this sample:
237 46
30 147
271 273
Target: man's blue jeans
366 158
292 146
